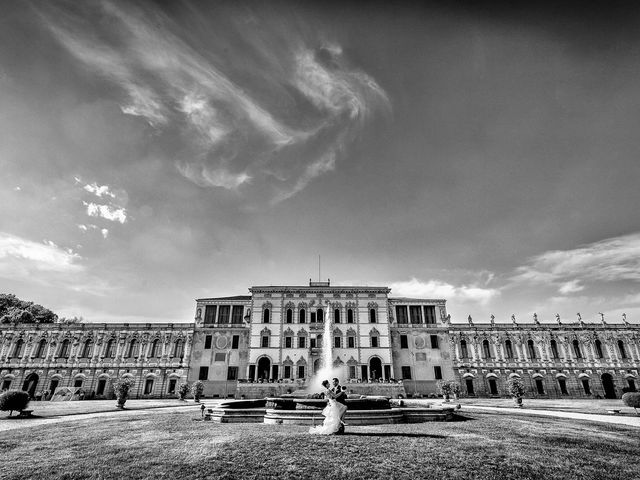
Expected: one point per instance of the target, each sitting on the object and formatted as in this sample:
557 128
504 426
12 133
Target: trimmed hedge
632 399
14 400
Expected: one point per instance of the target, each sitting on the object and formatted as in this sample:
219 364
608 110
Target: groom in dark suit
340 397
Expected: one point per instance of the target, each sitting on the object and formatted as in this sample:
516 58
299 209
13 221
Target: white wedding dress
332 414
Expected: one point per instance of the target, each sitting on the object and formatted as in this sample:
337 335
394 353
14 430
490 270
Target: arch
375 368
30 384
263 368
491 375
514 375
302 316
583 375
537 375
468 375
608 385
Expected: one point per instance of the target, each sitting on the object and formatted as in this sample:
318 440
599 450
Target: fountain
304 407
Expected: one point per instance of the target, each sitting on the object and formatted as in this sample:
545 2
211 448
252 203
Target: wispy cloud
107 212
235 135
99 190
438 289
611 260
21 255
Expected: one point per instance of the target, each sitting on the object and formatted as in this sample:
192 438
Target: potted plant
183 390
197 389
515 387
445 389
455 389
121 388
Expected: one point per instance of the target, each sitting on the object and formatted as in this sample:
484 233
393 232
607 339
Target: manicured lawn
177 446
598 406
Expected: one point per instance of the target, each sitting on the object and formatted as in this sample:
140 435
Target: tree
183 389
197 389
515 388
121 389
13 310
13 400
71 320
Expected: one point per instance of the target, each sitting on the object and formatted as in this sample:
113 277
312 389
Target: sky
486 153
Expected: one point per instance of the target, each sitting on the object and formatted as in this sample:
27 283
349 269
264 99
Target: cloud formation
107 212
289 123
438 289
610 260
21 257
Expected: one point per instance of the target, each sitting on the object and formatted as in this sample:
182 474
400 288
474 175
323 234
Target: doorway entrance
264 368
375 368
607 384
30 384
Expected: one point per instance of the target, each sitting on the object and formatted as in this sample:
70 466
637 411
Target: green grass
176 446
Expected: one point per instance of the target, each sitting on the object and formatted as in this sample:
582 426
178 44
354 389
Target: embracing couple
335 410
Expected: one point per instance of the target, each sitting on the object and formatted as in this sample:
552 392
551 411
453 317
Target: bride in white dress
332 414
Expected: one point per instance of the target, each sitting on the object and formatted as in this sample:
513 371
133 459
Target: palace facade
275 335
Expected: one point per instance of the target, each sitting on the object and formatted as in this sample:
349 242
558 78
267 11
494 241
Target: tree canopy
14 310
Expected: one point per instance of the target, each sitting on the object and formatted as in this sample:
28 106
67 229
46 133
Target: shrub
515 387
632 399
197 389
448 387
121 389
13 400
183 390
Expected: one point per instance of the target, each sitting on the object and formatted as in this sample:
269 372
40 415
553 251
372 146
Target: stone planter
518 402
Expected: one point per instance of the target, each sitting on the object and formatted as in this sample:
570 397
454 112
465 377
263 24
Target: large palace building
274 336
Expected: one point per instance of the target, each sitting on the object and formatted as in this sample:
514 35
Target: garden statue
558 319
493 320
624 319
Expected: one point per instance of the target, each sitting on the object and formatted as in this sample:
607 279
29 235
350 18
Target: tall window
108 351
554 349
415 312
351 342
41 349
623 352
437 372
401 314
372 315
289 315
563 386
64 349
133 348
312 317
586 387
302 342
235 341
208 340
576 349
236 314
178 350
352 371
599 349
532 350
374 341
203 374
154 348
430 314
350 316
336 315
148 386
265 341
320 315
435 342
337 342
404 341
301 369
509 349
223 314
303 315
288 341
485 349
86 350
266 316
232 373
463 349
406 373
287 371
210 314
17 350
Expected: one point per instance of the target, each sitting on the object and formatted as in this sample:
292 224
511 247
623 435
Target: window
220 357
287 371
172 386
586 387
401 314
509 349
303 315
435 343
210 314
108 351
531 349
265 341
133 349
289 315
563 386
313 317
288 341
437 372
207 342
486 350
351 342
148 386
301 369
86 351
17 350
203 374
406 373
632 384
352 371
540 386
337 342
430 315
235 341
415 313
77 383
470 389
178 351
576 349
232 373
350 316
372 315
599 349
236 314
374 341
6 384
102 384
463 349
223 314
554 349
320 315
493 387
302 342
64 349
265 316
404 341
41 349
154 349
336 316
623 352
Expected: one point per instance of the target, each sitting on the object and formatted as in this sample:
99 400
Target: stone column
496 354
454 349
540 346
502 355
